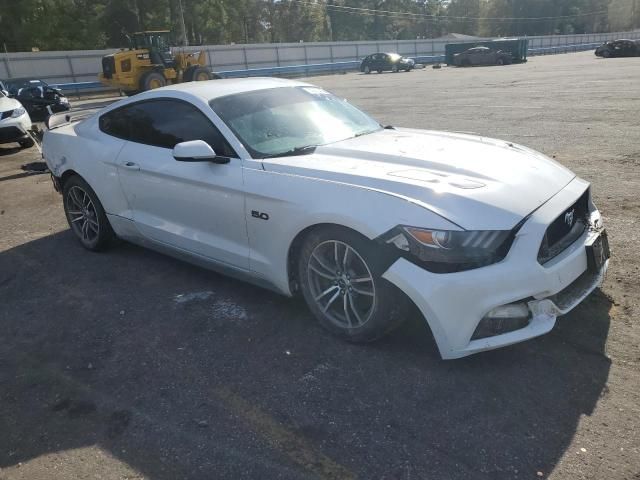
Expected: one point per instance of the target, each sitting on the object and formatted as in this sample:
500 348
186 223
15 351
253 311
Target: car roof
211 89
23 80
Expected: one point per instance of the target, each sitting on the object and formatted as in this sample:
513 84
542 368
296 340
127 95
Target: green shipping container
516 46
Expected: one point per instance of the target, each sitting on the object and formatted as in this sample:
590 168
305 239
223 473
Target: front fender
294 203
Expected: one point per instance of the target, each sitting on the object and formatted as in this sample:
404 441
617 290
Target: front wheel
152 80
341 278
85 215
199 74
27 143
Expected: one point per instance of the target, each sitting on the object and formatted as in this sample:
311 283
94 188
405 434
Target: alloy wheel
83 216
341 284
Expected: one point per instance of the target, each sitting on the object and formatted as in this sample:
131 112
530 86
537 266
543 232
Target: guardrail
330 67
581 47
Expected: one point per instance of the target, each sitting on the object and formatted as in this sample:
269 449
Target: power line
417 16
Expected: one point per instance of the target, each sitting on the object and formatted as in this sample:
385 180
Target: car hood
475 182
8 104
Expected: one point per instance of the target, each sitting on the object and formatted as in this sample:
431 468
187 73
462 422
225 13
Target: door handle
131 166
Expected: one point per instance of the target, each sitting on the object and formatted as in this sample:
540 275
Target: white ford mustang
283 184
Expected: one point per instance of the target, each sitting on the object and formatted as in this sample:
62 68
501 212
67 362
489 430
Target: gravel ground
130 365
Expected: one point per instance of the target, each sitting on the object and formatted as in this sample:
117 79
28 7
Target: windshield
14 86
279 121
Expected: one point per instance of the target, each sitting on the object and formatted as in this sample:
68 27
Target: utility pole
184 28
7 60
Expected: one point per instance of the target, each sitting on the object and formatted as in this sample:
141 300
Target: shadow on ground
116 350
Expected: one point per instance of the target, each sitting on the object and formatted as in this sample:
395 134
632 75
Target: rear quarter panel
83 149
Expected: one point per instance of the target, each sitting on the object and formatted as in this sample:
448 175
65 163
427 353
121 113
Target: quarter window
163 123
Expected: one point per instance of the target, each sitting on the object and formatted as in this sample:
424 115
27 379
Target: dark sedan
482 56
619 48
381 62
36 96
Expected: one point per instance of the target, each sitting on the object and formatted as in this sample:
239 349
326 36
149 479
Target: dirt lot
128 364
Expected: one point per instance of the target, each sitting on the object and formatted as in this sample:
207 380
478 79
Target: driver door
196 207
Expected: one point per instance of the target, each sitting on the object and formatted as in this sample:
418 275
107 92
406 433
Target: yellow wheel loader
149 63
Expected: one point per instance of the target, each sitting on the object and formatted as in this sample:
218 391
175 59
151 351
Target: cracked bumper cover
454 303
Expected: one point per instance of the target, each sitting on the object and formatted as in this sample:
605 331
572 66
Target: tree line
93 24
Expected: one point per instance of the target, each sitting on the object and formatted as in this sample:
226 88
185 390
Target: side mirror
197 151
6 94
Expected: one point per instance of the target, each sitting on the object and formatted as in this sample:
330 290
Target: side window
164 123
115 123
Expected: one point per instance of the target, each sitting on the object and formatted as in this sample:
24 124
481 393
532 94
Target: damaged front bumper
455 304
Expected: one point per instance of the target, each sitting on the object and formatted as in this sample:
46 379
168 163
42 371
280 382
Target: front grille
565 229
108 66
6 114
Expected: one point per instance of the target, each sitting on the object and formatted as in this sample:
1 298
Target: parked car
482 56
14 122
281 183
619 48
382 62
36 95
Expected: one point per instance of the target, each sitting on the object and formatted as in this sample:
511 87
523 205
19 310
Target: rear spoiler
56 120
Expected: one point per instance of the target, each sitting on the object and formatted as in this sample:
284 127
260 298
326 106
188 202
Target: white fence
84 65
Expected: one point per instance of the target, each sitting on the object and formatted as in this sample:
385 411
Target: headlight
64 100
450 250
18 112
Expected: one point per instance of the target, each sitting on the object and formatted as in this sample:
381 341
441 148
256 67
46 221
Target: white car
15 122
288 186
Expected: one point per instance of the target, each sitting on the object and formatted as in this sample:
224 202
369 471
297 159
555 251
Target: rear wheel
340 277
152 80
85 215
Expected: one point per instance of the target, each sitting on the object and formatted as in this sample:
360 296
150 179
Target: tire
499 61
358 311
367 70
200 74
85 215
379 70
407 69
394 69
465 63
606 53
187 76
152 80
27 143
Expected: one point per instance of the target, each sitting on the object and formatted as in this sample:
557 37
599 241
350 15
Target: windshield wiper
366 132
293 152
